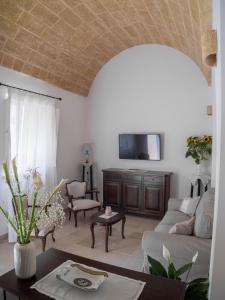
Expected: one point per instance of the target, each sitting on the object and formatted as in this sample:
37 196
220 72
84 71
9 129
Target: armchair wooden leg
75 218
84 213
99 208
53 238
43 243
70 212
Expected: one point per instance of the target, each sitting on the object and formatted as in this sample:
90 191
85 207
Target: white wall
149 88
217 270
71 124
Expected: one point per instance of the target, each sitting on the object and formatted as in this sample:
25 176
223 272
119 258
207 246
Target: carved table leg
123 225
110 230
92 227
107 229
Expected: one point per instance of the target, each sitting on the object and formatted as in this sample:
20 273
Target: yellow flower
188 140
207 139
196 141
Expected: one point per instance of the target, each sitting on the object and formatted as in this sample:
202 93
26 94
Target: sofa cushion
181 247
185 227
204 215
163 228
173 216
189 205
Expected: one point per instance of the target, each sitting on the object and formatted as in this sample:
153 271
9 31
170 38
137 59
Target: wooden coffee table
95 219
156 288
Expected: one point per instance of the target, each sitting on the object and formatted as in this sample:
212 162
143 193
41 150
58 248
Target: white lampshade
87 149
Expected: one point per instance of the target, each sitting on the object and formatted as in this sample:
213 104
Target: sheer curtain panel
33 127
5 196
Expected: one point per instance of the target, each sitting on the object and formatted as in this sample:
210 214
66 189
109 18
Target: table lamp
87 150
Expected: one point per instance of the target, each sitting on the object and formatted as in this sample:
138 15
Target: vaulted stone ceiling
66 42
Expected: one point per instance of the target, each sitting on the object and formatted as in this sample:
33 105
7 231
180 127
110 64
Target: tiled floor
122 252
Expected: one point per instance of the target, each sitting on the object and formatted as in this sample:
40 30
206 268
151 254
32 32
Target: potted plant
25 222
199 148
196 289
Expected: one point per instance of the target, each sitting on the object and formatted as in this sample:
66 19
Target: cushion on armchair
83 204
76 189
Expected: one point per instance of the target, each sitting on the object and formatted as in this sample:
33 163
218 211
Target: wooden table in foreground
155 289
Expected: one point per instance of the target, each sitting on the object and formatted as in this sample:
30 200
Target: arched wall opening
149 88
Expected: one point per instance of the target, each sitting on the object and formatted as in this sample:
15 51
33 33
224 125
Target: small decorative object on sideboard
26 221
199 148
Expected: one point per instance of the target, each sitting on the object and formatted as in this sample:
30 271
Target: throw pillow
204 215
189 205
185 227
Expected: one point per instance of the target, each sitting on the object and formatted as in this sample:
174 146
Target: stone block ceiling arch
66 42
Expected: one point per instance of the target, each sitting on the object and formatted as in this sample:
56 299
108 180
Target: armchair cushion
83 204
76 189
43 231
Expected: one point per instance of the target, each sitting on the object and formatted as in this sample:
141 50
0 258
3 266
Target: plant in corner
199 148
196 289
24 222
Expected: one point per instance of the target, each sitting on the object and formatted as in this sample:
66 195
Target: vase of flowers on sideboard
199 148
25 221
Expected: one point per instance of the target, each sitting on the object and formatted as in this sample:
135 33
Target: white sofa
183 247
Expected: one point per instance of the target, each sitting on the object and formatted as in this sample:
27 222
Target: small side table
95 219
201 180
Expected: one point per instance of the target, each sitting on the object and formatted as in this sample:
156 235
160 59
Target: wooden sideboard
137 191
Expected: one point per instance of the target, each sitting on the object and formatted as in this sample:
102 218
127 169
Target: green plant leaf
198 280
156 267
172 273
184 269
197 289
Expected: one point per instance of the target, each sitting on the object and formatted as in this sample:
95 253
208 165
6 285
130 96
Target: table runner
114 287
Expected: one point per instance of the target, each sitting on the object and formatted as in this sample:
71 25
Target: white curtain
33 127
28 131
5 195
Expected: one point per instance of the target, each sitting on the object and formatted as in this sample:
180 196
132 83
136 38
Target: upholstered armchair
40 232
76 193
43 232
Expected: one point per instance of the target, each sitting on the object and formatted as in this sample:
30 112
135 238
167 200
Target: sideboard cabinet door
153 200
131 196
112 193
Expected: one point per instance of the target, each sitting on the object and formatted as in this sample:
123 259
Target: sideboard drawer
112 177
153 179
133 178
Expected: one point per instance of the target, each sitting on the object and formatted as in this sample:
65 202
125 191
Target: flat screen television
139 146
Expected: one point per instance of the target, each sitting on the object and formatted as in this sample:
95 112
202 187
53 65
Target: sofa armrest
174 204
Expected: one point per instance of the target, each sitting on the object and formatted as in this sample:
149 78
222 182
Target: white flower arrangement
46 209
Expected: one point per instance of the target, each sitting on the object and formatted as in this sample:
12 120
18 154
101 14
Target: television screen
139 146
